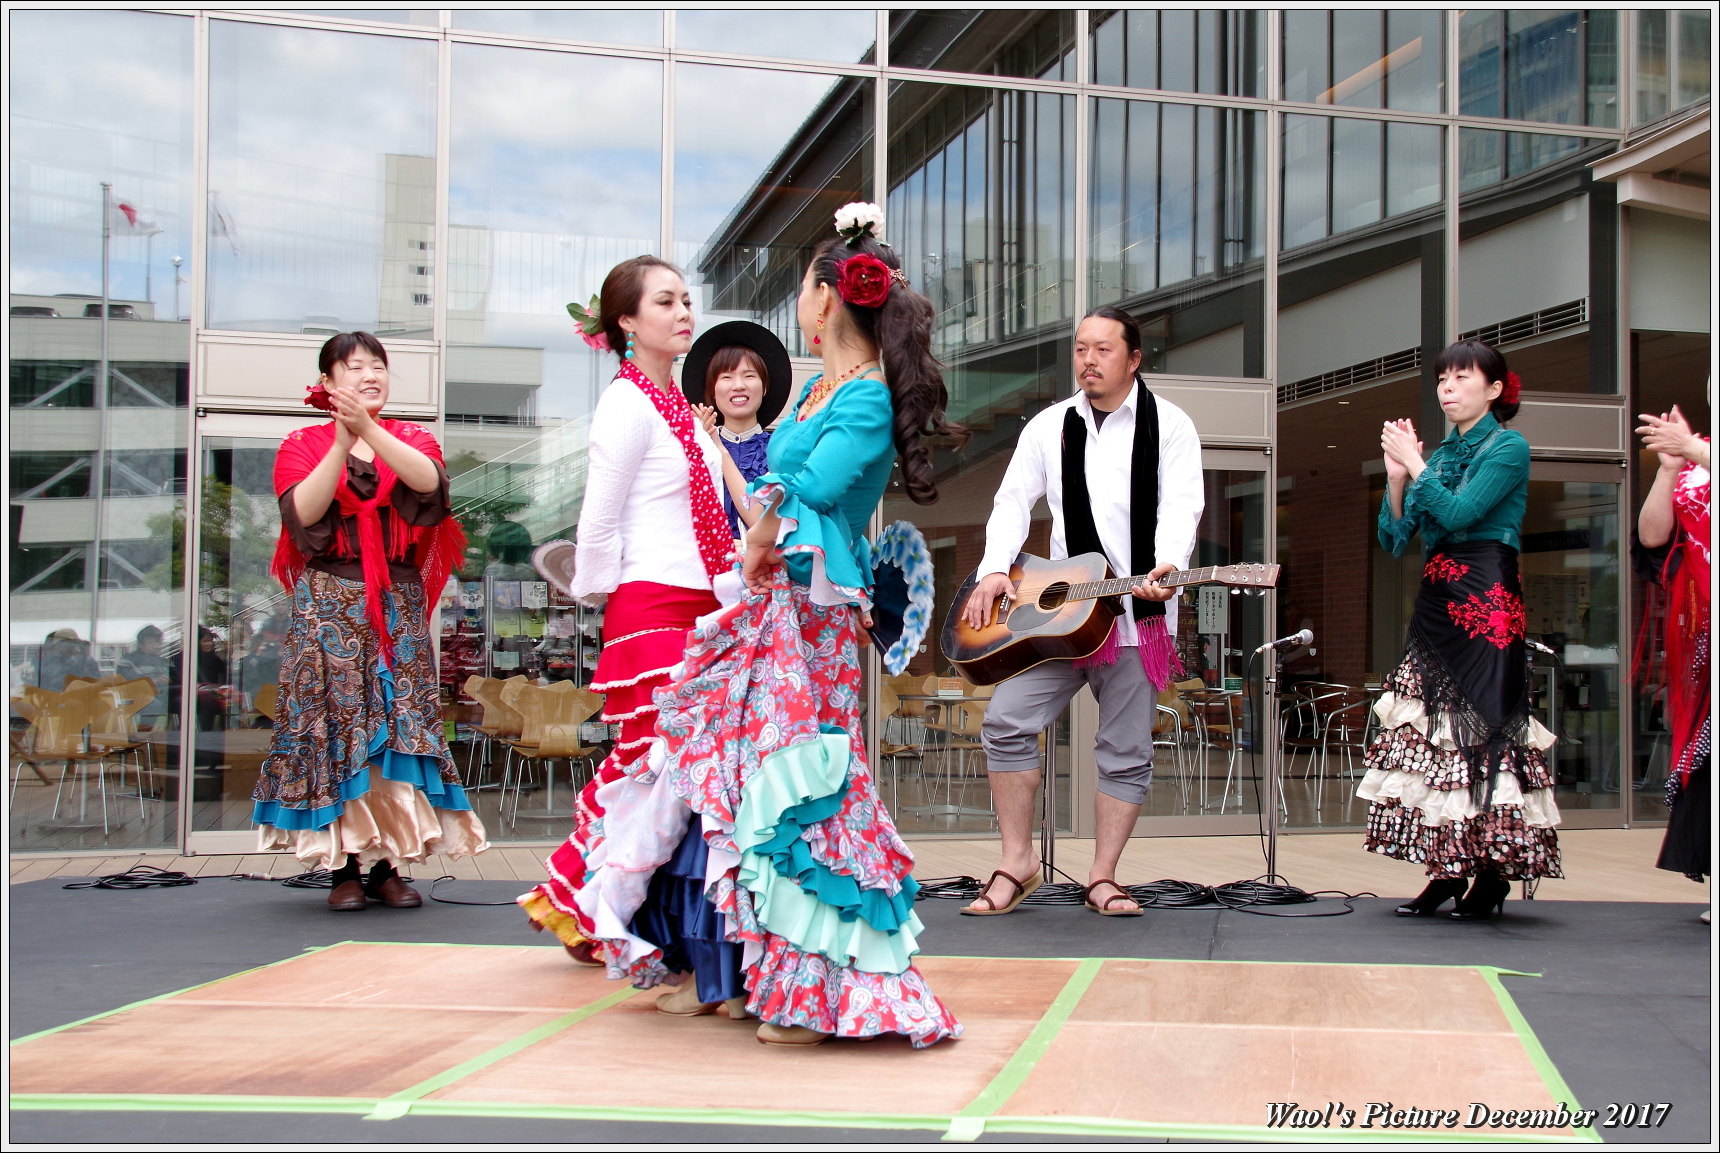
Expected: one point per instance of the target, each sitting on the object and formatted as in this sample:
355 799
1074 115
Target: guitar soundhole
1051 598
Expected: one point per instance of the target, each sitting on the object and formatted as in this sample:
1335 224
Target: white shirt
637 520
1036 470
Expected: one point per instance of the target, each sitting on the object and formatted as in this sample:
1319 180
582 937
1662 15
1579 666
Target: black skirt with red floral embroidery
1458 775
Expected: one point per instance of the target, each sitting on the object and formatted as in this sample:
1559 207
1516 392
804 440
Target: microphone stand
1048 809
1274 750
1274 753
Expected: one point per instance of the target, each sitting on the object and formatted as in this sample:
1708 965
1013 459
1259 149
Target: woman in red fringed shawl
359 773
1676 514
652 536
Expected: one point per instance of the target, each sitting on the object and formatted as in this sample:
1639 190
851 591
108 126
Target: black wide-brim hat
779 374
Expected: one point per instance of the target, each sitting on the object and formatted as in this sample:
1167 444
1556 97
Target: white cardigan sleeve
619 440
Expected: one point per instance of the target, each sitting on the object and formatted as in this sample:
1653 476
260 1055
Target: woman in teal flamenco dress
757 821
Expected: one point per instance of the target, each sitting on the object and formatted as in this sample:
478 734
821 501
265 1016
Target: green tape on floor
187 1103
369 1108
1532 1045
401 1103
971 1121
176 993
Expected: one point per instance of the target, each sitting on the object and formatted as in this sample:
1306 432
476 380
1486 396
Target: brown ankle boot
347 897
387 886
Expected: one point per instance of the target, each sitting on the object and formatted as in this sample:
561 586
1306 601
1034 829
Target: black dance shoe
1485 897
1437 893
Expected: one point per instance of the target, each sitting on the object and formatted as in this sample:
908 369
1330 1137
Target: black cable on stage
451 901
150 877
136 877
1251 896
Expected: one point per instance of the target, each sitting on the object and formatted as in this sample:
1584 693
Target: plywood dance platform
1146 1048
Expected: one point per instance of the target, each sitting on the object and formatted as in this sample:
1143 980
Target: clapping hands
1401 450
1669 435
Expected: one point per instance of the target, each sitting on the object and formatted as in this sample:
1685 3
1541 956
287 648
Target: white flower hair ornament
860 219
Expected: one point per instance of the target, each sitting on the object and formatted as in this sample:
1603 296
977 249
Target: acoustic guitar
1061 610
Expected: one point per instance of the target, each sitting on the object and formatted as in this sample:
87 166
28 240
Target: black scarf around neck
1080 531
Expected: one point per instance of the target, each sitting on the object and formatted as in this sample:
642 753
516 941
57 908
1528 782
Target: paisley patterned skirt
358 764
1458 776
759 737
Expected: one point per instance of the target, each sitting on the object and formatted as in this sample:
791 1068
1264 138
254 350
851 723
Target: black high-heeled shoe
1485 897
1437 893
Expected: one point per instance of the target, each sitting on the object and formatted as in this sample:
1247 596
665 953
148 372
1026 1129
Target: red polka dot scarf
710 523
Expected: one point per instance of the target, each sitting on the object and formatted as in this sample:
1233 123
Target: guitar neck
1117 586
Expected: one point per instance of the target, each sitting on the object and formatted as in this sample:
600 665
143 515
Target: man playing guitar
1121 472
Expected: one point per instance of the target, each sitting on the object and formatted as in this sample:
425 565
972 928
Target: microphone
1540 648
1294 640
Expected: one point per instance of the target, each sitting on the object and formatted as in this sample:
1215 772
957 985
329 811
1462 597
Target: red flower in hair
1513 388
863 279
317 397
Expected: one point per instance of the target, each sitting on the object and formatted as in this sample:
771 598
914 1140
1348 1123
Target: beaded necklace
823 387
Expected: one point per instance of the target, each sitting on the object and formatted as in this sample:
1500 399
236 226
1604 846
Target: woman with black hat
737 379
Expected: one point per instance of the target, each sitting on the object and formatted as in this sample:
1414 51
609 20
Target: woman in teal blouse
758 749
1458 776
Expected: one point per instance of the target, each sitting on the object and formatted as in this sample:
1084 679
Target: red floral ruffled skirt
758 737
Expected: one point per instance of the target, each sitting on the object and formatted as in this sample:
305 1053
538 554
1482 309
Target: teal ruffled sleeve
1489 502
1475 487
828 472
1394 531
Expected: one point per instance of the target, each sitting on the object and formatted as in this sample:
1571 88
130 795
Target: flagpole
107 239
98 462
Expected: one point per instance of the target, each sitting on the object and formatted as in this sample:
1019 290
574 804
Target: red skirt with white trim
644 635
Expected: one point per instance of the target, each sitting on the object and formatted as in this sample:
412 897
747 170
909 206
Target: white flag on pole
221 223
126 219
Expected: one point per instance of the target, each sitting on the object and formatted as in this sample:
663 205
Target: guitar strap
1081 532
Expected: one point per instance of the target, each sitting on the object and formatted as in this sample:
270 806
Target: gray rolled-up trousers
1023 705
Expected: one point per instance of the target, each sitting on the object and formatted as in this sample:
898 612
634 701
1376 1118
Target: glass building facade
1301 207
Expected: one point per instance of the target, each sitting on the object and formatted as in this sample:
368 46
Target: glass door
233 656
1581 688
1209 759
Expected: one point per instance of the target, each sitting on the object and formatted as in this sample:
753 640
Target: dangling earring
818 333
629 353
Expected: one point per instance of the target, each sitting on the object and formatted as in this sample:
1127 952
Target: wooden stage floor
1168 1049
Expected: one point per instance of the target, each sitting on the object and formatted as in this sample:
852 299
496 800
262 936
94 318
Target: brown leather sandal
1022 890
1104 908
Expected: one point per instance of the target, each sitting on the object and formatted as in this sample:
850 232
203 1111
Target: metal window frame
884 75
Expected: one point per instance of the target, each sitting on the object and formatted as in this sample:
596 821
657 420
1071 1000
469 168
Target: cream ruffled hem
393 822
1395 711
1445 806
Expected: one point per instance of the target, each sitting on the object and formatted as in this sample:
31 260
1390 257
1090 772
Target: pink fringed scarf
1153 641
439 548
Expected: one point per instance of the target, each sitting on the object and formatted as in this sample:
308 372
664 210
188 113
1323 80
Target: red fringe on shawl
1158 652
439 548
